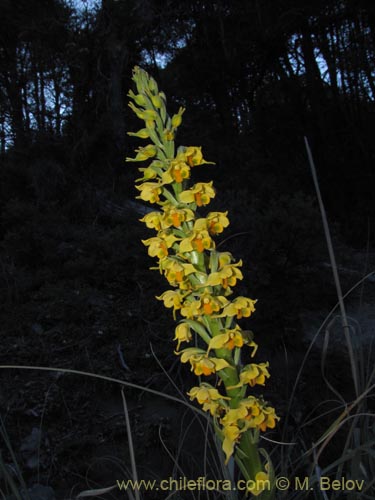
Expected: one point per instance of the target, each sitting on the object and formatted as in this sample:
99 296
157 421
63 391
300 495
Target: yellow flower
227 276
144 153
177 172
182 334
197 240
150 191
172 298
233 416
168 236
207 396
157 247
176 216
258 415
242 307
191 309
207 366
201 194
270 418
228 340
247 415
255 417
254 374
206 304
149 173
176 272
225 258
216 222
231 436
153 220
200 363
192 155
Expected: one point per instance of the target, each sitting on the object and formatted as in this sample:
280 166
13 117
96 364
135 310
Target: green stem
252 461
170 197
169 149
197 258
177 188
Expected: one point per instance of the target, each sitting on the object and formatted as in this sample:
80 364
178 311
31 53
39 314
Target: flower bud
156 101
149 114
176 121
139 99
142 134
153 86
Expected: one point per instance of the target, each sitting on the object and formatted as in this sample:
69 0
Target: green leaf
199 329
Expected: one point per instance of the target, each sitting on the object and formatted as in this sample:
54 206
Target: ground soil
68 431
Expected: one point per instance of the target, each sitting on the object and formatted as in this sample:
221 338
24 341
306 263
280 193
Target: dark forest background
255 78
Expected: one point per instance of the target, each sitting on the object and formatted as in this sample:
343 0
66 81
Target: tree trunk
118 56
2 137
57 106
42 103
14 91
36 92
313 76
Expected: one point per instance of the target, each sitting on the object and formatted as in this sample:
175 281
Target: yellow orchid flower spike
202 279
